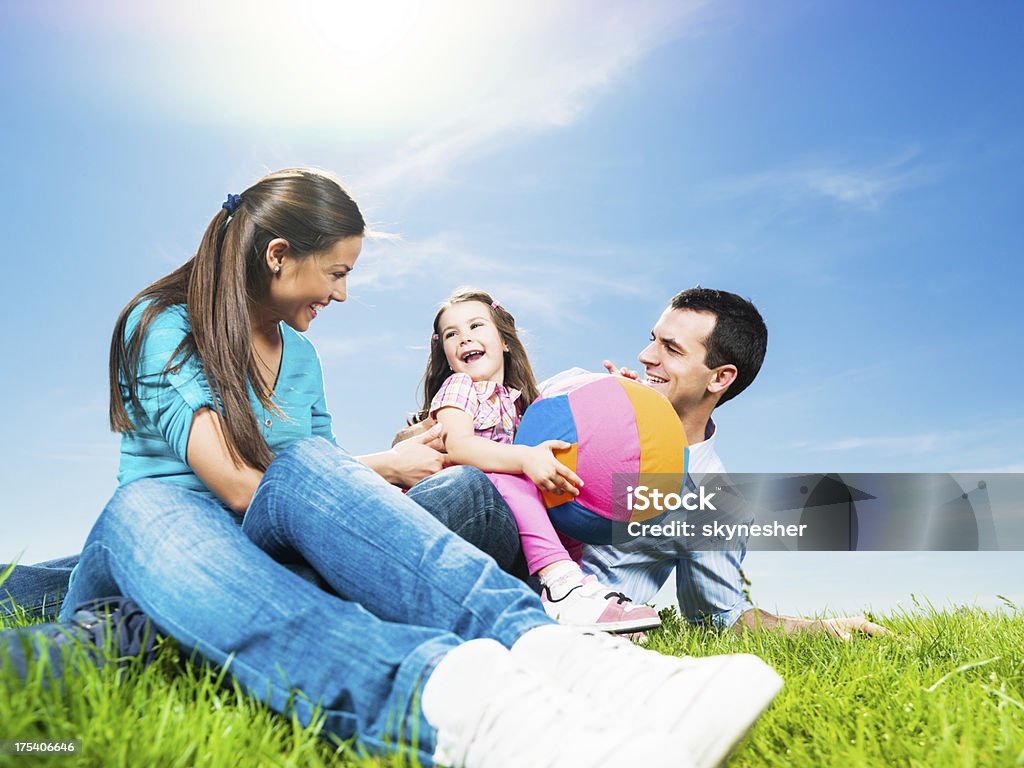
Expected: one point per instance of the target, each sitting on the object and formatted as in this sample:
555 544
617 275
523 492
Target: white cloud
865 186
1014 468
344 346
818 389
551 290
965 446
566 56
418 85
904 444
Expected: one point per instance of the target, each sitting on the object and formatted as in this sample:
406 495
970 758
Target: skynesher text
716 530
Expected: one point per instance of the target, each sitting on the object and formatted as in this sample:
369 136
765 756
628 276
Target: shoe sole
617 627
736 693
612 627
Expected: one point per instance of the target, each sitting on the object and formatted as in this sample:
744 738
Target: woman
230 473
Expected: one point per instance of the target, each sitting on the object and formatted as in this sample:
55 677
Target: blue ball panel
547 419
575 520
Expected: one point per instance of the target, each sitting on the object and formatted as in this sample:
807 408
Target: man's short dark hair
740 336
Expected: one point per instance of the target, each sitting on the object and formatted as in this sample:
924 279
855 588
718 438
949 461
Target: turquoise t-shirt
156 448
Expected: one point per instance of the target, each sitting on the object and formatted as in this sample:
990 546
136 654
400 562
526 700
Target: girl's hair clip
495 304
435 337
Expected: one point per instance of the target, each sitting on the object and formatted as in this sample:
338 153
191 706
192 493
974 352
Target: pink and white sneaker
593 607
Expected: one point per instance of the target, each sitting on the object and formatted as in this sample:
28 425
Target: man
706 348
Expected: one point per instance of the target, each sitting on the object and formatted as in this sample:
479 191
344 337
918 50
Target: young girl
477 384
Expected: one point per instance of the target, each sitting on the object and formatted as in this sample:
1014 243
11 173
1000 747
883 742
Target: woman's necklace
268 389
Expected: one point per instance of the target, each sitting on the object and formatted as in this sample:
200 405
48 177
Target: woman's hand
416 458
547 472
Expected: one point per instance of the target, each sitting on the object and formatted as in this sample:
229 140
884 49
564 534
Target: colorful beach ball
623 434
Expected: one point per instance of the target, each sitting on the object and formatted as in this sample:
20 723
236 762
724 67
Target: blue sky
853 168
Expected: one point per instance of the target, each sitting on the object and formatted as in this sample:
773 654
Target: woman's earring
277 269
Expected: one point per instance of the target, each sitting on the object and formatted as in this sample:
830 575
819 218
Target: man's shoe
116 624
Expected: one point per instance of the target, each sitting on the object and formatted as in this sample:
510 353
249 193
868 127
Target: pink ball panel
608 442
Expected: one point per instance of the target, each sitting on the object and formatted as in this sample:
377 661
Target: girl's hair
518 371
308 208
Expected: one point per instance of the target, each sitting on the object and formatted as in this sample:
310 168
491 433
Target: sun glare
387 66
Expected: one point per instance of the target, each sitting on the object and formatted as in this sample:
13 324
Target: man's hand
841 628
417 429
547 472
624 372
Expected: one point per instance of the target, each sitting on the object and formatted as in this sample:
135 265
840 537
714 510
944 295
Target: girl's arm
536 462
208 455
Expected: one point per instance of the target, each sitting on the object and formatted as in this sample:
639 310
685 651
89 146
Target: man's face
674 360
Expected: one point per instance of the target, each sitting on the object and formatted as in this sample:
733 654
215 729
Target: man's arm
841 628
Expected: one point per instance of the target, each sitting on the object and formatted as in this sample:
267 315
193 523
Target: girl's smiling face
472 343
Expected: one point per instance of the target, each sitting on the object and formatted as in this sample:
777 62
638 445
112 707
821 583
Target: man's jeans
460 497
407 589
36 588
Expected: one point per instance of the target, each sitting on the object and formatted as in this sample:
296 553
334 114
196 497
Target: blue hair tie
231 204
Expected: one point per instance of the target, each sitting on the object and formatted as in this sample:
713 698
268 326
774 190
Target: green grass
946 690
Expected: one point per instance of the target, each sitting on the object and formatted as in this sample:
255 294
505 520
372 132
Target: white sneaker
707 704
593 607
491 712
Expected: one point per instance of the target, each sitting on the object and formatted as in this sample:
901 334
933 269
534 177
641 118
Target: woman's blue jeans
407 589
